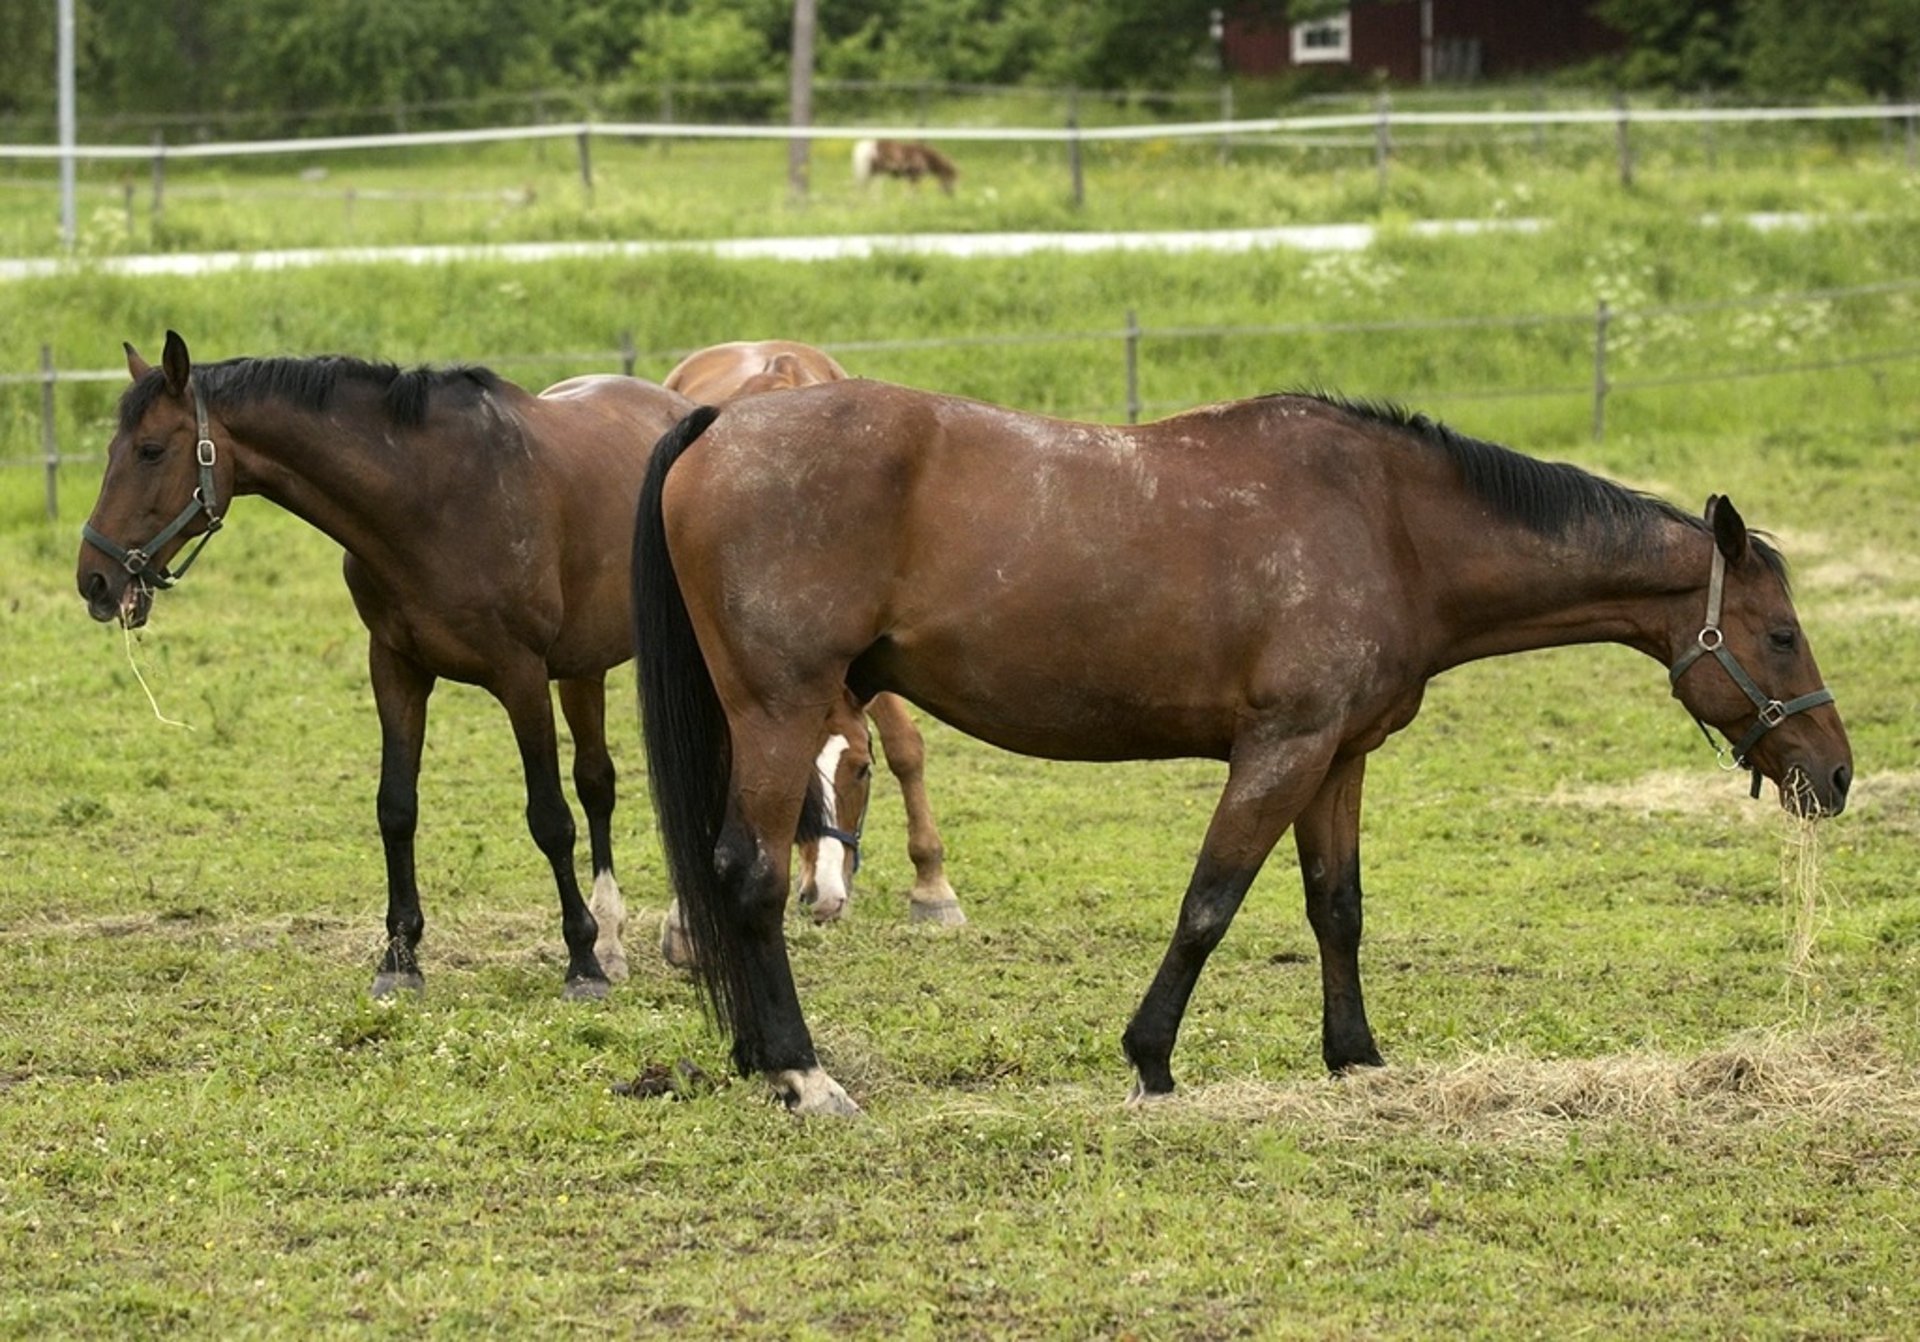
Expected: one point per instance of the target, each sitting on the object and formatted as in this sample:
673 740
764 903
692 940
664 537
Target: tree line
317 65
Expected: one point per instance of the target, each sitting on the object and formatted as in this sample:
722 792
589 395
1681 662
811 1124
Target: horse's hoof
391 983
614 965
814 1094
941 913
1142 1098
585 989
676 947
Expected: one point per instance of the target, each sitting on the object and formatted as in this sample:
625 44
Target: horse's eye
1783 640
151 451
864 772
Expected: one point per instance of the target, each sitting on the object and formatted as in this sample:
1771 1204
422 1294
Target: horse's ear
137 367
1729 528
176 363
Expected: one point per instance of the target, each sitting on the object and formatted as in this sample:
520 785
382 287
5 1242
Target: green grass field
1611 1107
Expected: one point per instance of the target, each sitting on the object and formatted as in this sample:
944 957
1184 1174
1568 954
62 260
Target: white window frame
1338 52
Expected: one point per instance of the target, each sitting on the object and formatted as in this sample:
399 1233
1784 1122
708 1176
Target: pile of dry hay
1839 1073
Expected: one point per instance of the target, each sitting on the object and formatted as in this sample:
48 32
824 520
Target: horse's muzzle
1804 794
129 606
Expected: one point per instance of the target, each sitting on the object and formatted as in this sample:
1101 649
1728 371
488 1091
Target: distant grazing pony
911 159
725 373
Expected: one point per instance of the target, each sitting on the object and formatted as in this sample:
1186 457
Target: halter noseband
851 837
138 560
1770 712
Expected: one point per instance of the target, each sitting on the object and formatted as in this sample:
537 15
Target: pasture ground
1611 1107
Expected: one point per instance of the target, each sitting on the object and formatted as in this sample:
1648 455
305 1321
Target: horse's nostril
1842 780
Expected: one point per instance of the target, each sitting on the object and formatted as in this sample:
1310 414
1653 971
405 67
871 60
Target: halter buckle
1773 713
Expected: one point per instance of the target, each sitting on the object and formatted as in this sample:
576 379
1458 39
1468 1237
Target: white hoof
676 947
610 912
813 1093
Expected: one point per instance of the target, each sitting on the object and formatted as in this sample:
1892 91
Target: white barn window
1323 40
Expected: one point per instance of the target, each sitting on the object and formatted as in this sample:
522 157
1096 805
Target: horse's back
1011 559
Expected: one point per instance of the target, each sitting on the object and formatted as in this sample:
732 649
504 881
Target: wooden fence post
629 357
1600 319
49 439
1133 367
586 161
1226 114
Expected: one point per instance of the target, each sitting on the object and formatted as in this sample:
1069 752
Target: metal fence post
1382 143
1601 317
1073 148
586 162
1626 142
159 174
629 356
1226 114
49 440
1133 367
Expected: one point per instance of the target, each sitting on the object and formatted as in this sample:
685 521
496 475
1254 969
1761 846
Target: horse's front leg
584 702
933 899
1268 782
400 691
529 703
1327 834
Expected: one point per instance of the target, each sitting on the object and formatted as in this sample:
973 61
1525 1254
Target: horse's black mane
1550 498
309 384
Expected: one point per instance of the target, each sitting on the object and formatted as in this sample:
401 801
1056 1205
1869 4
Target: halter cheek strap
1769 712
138 560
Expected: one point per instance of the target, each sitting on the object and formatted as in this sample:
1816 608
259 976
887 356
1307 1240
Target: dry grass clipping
1842 1073
1805 910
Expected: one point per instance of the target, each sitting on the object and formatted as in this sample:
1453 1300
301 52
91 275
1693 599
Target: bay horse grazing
1270 583
484 530
911 159
726 372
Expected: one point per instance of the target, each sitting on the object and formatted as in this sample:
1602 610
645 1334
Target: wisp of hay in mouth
1804 906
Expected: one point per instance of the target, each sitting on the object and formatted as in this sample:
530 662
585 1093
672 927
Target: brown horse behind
1270 583
744 367
728 372
911 159
485 530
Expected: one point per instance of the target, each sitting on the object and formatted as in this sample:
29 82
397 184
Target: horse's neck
1511 591
340 473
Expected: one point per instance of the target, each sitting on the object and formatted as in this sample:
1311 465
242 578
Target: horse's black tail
690 753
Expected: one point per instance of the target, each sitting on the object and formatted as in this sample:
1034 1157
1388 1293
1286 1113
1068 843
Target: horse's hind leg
400 691
771 764
1328 837
933 899
529 703
1267 785
584 701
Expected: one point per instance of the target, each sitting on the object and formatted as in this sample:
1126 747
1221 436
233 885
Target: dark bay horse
911 159
1270 583
726 372
485 531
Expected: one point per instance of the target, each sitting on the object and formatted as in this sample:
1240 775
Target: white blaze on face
830 861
